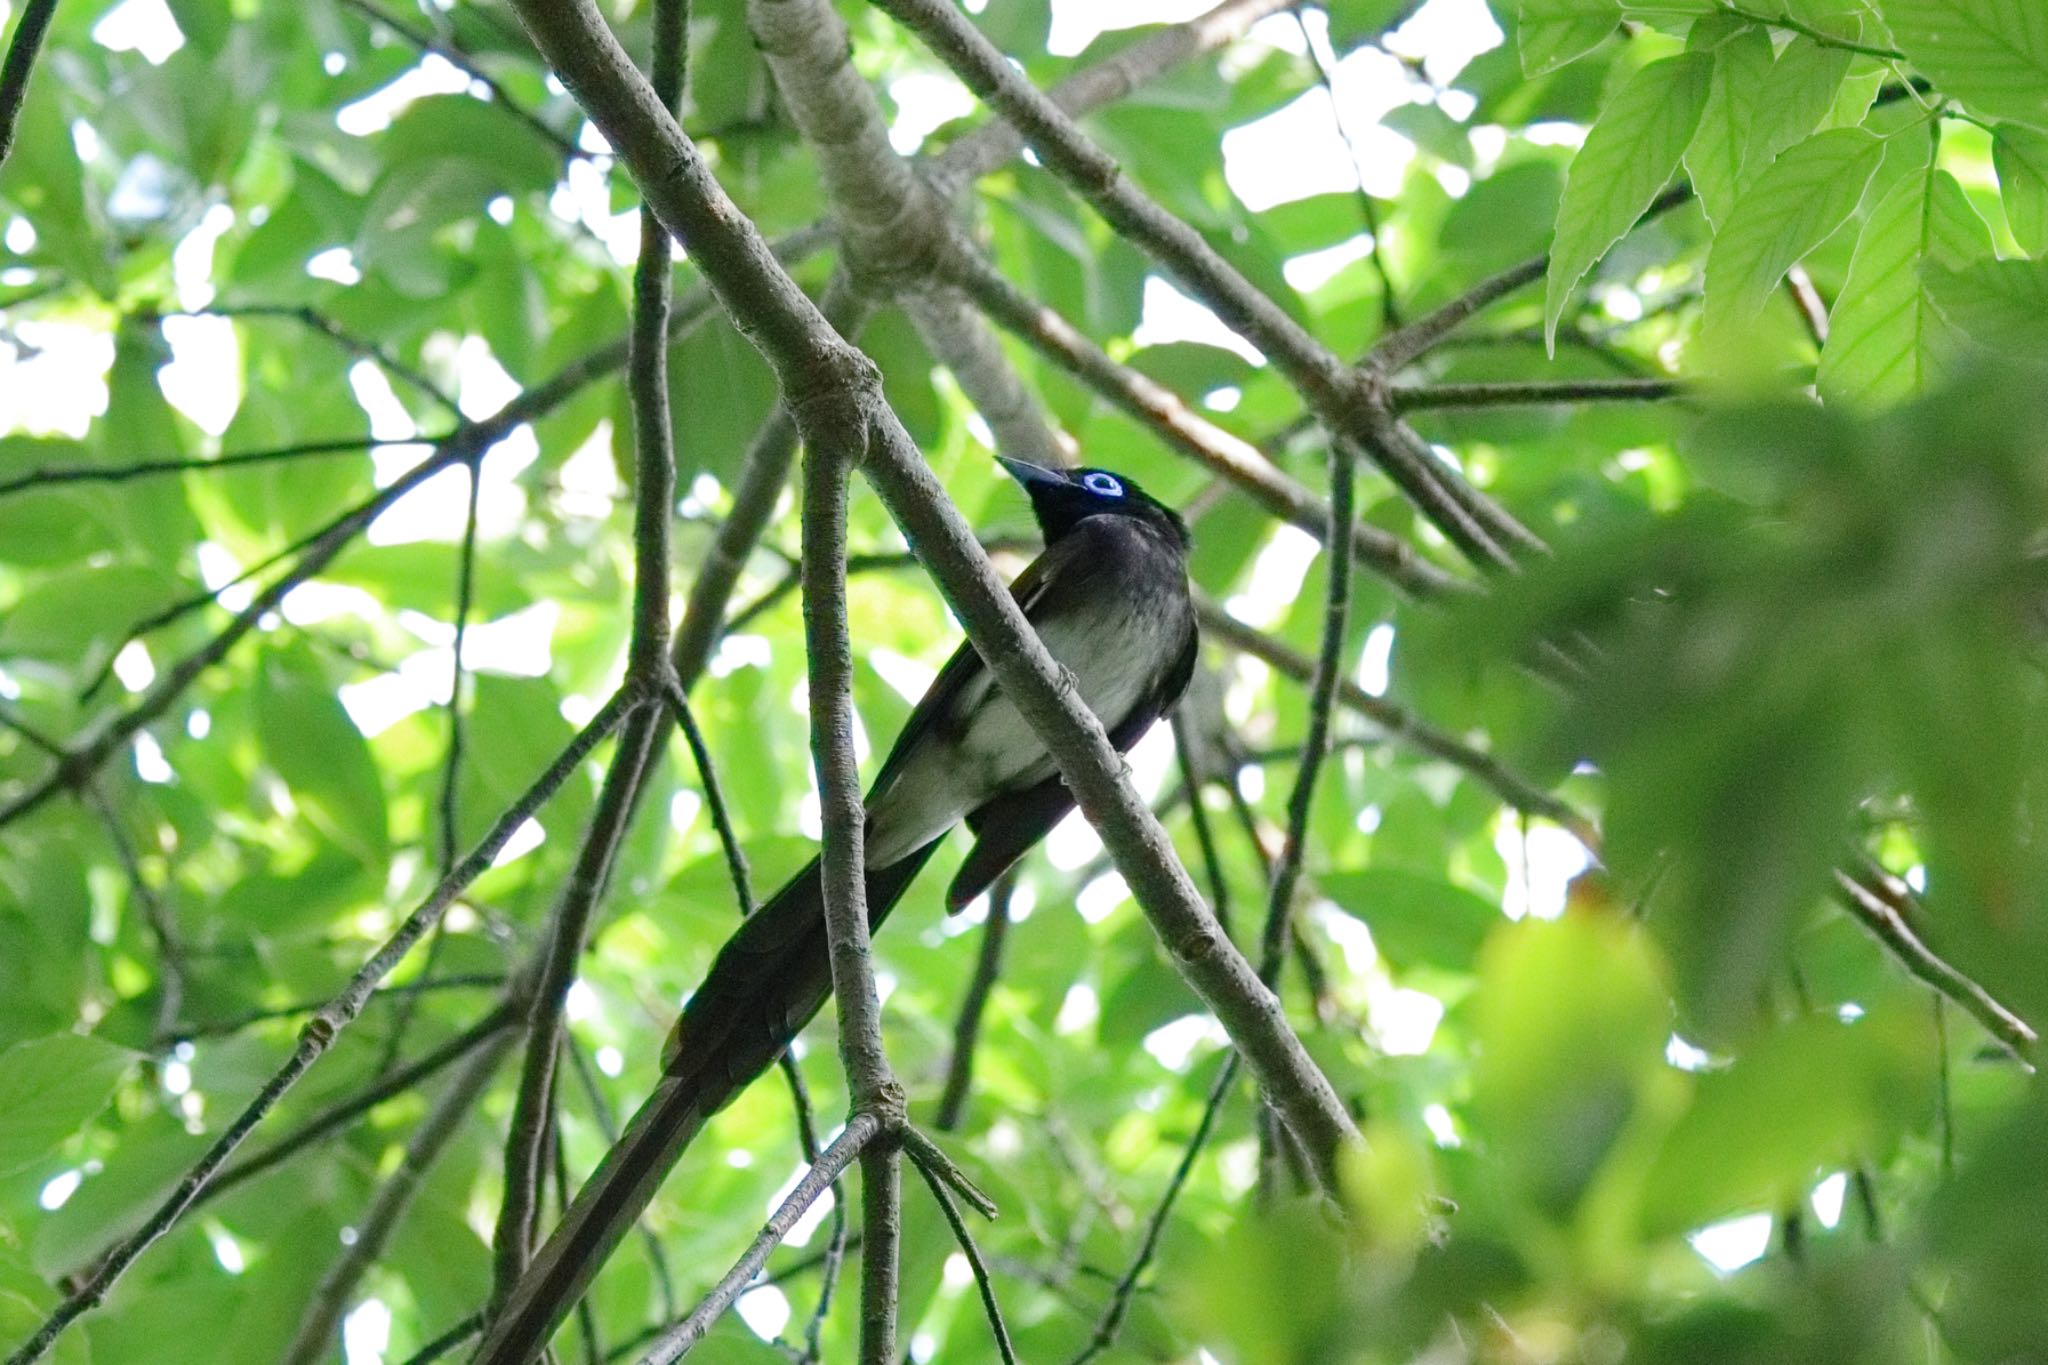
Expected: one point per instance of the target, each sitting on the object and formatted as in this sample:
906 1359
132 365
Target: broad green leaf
309 740
1801 90
1571 1020
1554 32
1415 920
2021 157
1992 55
1629 156
1792 207
49 1088
1742 68
2001 305
1883 334
1816 1096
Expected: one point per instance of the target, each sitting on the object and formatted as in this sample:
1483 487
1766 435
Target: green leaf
1554 32
1884 338
1819 1094
1793 206
1415 920
49 1088
1742 67
1571 1020
1628 157
2021 158
2001 305
1990 54
312 744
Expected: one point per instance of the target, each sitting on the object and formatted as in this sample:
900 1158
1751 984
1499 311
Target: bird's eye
1105 484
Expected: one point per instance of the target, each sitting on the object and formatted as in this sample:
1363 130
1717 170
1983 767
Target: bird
1109 597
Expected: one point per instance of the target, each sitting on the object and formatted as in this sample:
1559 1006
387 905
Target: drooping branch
1535 393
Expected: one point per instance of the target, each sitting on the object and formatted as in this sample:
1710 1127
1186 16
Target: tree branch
22 50
967 1026
1536 392
861 1130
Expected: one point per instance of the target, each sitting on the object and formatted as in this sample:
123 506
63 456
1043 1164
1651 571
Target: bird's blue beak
1032 475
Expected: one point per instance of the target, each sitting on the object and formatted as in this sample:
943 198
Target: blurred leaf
1554 32
1415 920
49 1088
1990 54
2001 305
2021 156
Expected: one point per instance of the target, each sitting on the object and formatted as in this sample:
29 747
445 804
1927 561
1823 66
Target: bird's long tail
766 983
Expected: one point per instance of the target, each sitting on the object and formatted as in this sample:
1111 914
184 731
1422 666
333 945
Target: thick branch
20 65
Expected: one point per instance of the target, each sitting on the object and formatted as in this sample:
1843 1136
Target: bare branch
967 1027
934 1182
51 475
1536 393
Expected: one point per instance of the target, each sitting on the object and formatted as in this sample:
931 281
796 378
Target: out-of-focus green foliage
1790 624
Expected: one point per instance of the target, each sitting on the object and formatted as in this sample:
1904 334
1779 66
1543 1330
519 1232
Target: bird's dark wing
939 709
1011 825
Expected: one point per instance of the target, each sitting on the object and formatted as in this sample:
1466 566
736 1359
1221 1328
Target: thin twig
1376 253
461 61
1883 920
407 990
315 320
1322 699
860 1131
1119 1305
163 924
996 1325
48 476
1534 393
1192 778
967 1026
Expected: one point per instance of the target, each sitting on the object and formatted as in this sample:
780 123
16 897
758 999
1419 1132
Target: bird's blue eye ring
1105 484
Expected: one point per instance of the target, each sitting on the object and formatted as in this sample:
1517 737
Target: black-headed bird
1109 597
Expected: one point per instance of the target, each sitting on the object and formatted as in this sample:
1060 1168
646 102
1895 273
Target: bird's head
1063 498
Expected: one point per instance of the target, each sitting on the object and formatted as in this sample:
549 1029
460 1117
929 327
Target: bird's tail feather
766 983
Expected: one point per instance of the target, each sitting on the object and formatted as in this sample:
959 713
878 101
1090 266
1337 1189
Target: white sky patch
581 1003
1734 1244
1173 1045
226 1250
60 385
683 809
1276 577
906 677
589 480
1683 1055
204 378
217 569
610 1060
192 259
1404 1020
373 113
59 1188
1077 23
1297 150
1827 1199
1442 1126
1446 35
528 837
336 264
1537 884
1169 315
482 385
1375 660
150 764
389 421
925 102
1072 843
1101 896
140 26
585 196
1312 270
366 1333
132 666
1079 1010
311 604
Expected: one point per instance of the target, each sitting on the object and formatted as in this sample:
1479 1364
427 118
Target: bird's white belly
1114 653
